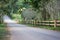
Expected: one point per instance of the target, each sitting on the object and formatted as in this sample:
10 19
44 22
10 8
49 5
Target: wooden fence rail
43 23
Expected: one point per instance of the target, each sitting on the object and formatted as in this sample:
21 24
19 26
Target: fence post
55 23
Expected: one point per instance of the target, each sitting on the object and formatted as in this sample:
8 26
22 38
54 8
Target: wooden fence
54 23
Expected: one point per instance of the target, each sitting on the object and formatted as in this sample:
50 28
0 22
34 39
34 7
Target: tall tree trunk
1 18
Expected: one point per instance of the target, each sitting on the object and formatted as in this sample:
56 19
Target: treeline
7 7
45 10
41 10
31 9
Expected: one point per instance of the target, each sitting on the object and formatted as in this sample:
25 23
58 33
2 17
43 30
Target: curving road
23 32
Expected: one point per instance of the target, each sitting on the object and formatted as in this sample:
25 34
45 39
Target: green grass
2 25
50 28
45 27
3 31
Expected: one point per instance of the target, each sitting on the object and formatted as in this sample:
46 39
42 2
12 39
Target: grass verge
45 27
3 32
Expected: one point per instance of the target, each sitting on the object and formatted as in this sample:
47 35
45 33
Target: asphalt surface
24 32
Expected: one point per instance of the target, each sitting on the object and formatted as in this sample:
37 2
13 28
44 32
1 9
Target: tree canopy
7 6
44 7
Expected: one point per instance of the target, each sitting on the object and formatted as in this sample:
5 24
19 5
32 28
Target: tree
52 9
43 6
3 5
40 6
29 14
6 7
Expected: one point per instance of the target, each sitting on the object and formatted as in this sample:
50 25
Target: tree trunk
1 18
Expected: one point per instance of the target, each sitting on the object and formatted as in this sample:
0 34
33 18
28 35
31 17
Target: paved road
23 32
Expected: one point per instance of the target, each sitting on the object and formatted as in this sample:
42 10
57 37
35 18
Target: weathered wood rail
54 23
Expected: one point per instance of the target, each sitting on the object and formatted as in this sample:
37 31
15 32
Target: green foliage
17 17
38 3
2 25
3 32
47 9
7 6
29 14
39 6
